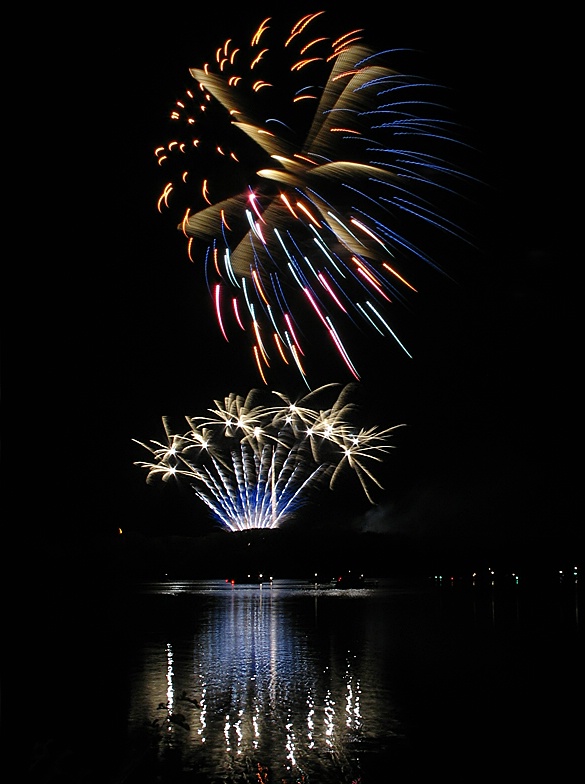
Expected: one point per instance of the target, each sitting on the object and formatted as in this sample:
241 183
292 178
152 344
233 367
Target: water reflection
406 682
264 682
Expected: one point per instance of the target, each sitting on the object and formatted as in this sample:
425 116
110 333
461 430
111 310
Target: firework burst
255 465
297 160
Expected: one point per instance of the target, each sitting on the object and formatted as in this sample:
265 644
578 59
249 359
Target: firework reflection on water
264 683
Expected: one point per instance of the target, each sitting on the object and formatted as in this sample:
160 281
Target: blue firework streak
255 465
298 160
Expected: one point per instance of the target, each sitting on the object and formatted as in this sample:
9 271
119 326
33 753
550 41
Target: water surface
290 681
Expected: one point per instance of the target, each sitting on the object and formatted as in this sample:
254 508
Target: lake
290 681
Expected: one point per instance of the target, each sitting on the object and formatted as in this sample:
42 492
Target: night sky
113 328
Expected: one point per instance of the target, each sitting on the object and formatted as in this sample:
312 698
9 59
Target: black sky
112 329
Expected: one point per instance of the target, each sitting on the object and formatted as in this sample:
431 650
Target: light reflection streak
170 690
329 719
352 705
310 722
290 743
203 715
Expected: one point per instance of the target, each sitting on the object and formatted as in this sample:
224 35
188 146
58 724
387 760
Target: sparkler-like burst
254 465
298 159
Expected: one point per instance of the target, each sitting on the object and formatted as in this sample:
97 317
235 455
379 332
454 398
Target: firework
255 465
297 160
